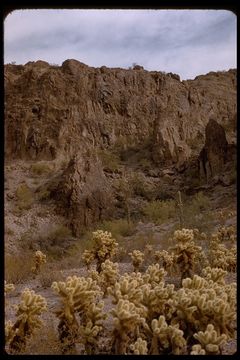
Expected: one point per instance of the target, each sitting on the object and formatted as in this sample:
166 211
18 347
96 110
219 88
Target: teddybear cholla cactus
28 311
78 295
88 258
40 259
137 259
166 339
139 347
185 252
200 302
210 341
127 320
109 275
8 287
221 256
104 247
166 259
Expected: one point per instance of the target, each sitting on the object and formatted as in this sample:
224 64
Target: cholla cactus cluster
227 233
127 320
166 338
78 295
39 260
104 247
166 259
149 315
221 256
139 347
28 311
137 257
185 252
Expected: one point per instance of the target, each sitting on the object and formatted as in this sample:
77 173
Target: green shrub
58 235
110 160
139 186
40 168
200 202
43 194
119 227
197 212
25 197
159 211
145 164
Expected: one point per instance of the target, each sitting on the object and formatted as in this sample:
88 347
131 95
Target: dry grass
44 342
49 274
18 268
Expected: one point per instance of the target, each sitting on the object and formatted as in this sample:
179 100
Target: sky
185 42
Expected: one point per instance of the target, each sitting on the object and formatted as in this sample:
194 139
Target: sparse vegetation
159 211
119 228
25 197
110 160
18 267
40 168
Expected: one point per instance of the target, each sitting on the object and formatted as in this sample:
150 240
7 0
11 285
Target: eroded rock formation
63 111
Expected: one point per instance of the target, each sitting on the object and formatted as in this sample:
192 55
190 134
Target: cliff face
60 111
52 110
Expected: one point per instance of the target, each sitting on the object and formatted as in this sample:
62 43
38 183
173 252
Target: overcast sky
186 42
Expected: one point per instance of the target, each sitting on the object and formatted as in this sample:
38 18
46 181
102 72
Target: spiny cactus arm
197 350
210 341
30 307
154 274
183 236
139 347
8 287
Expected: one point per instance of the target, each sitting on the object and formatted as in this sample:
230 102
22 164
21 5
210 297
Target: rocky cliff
56 112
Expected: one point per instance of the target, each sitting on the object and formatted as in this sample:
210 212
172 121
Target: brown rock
213 156
57 110
83 192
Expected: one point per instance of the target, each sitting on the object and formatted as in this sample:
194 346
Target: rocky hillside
98 125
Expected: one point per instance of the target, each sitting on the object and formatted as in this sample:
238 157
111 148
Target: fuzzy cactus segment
77 294
137 259
126 319
139 347
210 341
28 312
39 259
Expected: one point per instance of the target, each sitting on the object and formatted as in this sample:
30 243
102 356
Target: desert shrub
44 342
55 240
197 212
48 275
110 160
18 267
159 211
25 197
145 164
43 194
140 187
118 228
40 168
28 240
200 202
9 231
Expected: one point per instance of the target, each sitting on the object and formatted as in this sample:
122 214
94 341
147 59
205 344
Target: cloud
188 42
